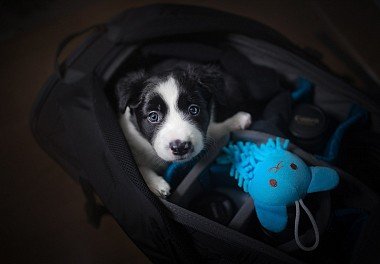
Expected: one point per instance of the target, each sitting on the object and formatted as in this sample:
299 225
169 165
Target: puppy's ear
211 78
128 90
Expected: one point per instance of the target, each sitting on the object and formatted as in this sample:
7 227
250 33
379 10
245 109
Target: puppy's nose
179 147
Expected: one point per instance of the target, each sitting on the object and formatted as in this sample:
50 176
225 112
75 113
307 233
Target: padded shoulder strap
60 67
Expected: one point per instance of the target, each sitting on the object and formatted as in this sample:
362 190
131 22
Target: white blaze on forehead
168 91
174 126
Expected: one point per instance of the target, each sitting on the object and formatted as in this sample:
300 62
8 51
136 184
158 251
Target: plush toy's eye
153 117
273 182
194 109
293 166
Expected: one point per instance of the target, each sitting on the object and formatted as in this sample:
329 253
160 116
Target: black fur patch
192 95
151 102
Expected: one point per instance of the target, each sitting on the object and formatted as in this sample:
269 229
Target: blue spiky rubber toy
276 178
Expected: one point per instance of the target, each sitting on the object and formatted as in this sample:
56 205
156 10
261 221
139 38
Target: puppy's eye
153 117
194 109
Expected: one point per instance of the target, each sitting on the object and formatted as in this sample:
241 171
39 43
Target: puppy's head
172 109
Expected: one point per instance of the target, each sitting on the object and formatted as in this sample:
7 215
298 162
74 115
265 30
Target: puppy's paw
159 187
240 120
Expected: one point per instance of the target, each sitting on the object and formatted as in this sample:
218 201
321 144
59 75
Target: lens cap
308 126
308 122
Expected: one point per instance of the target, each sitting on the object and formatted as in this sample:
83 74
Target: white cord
296 226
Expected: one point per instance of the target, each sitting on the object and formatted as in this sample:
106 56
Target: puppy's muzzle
180 148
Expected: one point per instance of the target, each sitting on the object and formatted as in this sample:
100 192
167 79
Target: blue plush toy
276 178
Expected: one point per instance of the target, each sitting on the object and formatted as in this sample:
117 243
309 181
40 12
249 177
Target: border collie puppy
168 117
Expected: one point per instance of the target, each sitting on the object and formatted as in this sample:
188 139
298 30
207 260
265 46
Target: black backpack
74 120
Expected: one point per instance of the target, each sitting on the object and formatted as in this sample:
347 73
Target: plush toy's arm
322 179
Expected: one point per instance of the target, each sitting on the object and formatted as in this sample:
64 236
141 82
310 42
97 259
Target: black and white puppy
168 117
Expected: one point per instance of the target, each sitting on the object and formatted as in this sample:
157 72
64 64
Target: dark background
41 209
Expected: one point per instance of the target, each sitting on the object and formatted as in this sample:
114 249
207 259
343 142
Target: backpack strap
61 67
258 249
